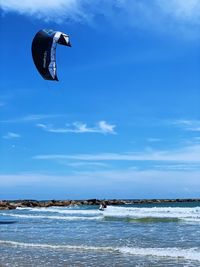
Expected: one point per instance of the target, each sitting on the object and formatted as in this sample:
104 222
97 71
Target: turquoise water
142 235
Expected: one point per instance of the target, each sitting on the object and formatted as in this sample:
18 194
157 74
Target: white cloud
153 139
105 127
186 10
188 125
31 118
187 154
11 135
178 167
57 10
87 164
183 15
101 127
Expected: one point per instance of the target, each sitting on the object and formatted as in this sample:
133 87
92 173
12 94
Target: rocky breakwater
8 204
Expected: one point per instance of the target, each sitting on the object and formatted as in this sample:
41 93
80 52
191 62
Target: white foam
51 217
174 252
189 254
65 210
188 214
50 246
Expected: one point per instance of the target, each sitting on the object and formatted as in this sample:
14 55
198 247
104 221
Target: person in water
102 206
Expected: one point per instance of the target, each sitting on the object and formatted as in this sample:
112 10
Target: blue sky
124 119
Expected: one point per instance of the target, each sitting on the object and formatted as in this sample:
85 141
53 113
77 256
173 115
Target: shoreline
28 203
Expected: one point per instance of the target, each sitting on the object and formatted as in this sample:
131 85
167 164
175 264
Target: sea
153 235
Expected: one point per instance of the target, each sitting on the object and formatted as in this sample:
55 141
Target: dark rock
6 204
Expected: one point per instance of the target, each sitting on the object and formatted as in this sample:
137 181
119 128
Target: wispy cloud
178 167
31 118
57 10
186 10
186 154
87 164
153 139
11 135
188 125
151 15
101 127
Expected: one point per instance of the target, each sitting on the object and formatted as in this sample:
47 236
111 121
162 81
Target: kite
44 51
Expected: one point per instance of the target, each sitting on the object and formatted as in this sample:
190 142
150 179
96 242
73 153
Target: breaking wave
156 213
64 210
172 252
150 214
51 217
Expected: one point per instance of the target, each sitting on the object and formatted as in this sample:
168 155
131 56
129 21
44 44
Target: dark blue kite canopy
44 52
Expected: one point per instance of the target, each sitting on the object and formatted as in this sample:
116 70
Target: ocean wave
187 214
172 252
51 217
64 210
142 220
135 214
188 254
